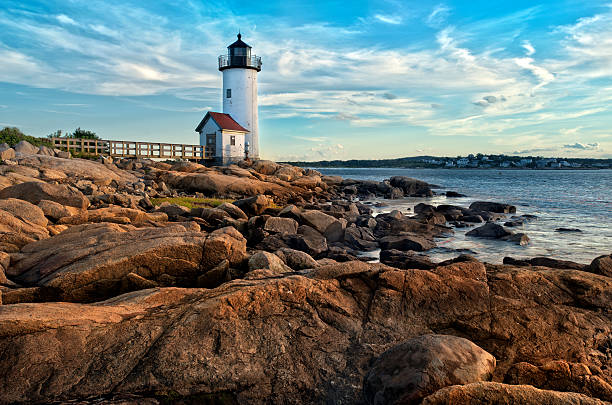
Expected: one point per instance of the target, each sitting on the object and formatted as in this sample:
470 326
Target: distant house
449 163
463 162
222 134
505 163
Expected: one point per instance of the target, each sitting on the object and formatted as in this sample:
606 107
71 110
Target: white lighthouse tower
240 68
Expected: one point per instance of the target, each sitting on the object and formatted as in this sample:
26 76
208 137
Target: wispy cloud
388 19
438 15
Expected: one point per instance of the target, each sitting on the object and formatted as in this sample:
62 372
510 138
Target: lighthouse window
228 93
232 140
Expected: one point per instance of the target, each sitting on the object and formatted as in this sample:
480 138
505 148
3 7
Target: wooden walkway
129 149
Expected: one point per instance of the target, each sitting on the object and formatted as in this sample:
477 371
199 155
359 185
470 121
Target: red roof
224 121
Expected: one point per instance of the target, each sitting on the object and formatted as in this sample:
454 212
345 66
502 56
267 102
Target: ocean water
559 198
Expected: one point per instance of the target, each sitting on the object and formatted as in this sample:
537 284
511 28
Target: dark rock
213 216
459 259
516 262
174 211
492 207
546 262
406 260
410 371
601 265
568 230
216 276
233 211
422 208
454 194
472 218
308 240
406 242
341 254
290 211
514 223
411 187
360 238
489 230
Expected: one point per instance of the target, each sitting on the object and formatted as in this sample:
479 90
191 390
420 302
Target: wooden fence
129 149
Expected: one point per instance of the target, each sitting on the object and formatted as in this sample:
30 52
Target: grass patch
191 202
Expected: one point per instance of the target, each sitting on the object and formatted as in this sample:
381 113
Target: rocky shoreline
135 281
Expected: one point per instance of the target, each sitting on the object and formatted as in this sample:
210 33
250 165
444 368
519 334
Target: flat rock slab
87 262
82 168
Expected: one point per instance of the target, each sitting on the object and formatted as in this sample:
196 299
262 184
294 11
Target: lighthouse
231 135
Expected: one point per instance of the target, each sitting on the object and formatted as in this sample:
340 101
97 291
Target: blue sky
340 80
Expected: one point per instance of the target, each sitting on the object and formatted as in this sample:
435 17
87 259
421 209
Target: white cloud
530 50
388 19
541 73
64 19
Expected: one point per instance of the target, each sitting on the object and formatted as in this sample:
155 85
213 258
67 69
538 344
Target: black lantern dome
239 56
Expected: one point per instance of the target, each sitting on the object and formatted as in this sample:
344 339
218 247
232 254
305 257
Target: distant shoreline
315 166
478 161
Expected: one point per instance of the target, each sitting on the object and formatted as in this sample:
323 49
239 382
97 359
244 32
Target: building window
228 93
211 139
232 140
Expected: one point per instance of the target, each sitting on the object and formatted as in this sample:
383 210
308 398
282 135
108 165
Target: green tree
83 134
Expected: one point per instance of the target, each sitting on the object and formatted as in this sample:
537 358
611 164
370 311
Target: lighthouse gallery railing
253 61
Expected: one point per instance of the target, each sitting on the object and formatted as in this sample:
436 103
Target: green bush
13 136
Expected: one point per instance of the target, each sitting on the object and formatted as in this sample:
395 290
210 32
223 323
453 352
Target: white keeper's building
234 133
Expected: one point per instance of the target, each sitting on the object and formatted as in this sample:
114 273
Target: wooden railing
147 150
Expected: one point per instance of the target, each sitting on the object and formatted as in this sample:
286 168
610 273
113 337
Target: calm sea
560 198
